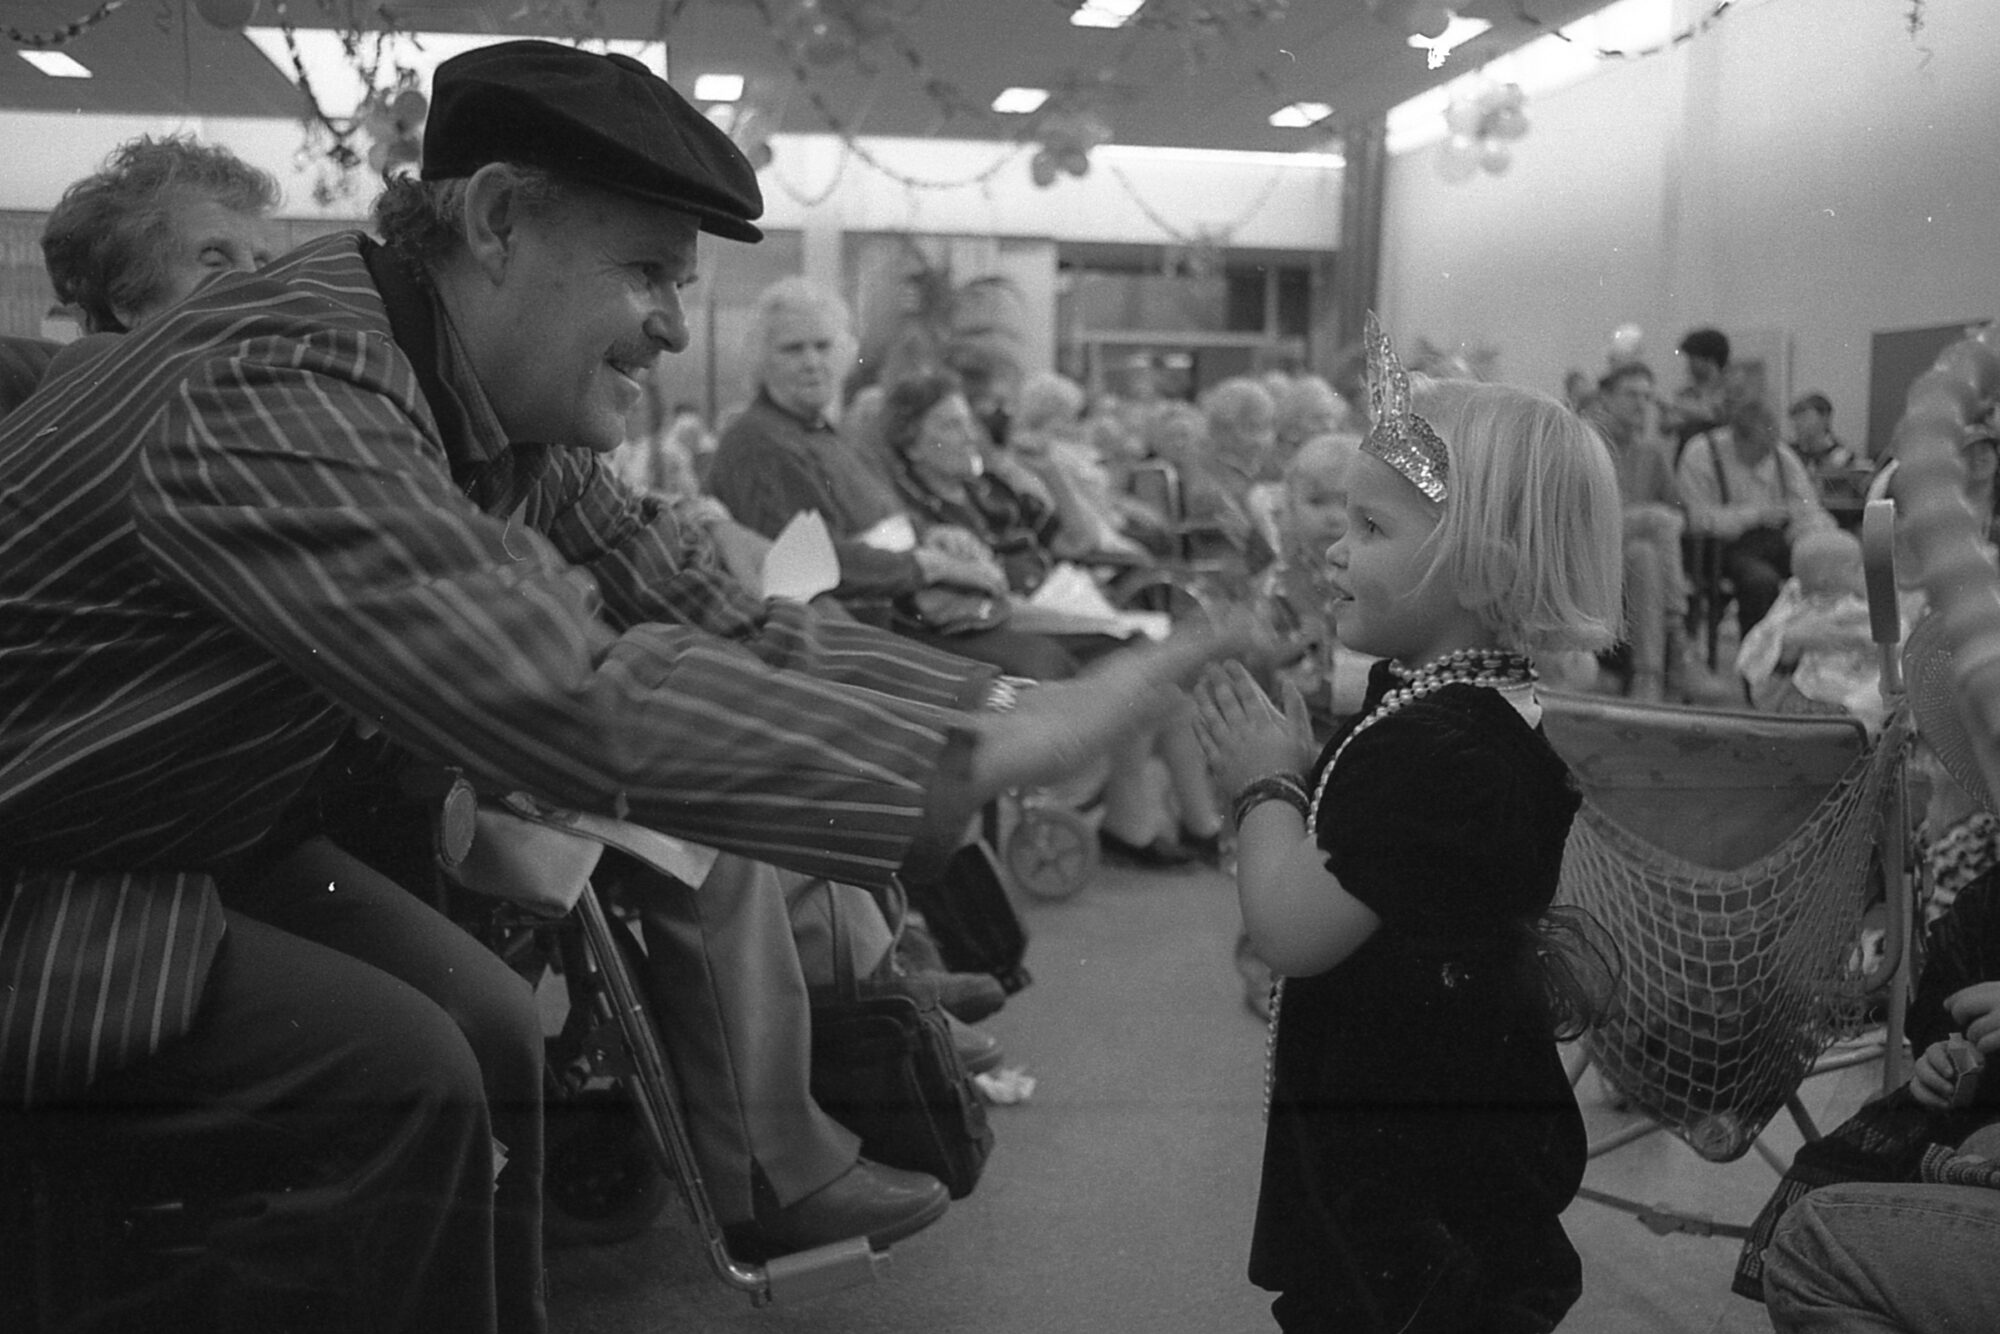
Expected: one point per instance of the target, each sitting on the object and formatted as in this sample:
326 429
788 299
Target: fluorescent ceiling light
1456 34
718 88
1300 115
56 65
1105 13
1020 101
339 88
1545 65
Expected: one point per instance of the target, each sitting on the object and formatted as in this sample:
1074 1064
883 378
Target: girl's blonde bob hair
1532 530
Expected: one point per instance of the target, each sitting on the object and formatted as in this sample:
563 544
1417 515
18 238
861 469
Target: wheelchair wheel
601 1183
1051 853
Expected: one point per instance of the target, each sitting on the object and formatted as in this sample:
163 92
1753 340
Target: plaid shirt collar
484 439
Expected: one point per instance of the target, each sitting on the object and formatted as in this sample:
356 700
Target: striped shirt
287 506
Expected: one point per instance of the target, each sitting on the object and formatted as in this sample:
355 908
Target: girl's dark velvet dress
1423 1137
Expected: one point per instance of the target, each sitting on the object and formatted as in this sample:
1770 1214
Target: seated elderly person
1050 437
1741 485
1305 407
1235 481
931 433
363 484
125 243
782 456
1655 584
161 217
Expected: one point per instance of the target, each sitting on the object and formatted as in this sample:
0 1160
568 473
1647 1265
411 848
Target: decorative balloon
394 120
1415 18
229 15
1948 539
1066 138
1483 122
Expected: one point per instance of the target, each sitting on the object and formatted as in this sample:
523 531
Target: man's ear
492 218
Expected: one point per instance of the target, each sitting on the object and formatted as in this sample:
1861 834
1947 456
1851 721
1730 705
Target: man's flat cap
605 120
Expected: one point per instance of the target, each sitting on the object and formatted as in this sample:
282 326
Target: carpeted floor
1120 1195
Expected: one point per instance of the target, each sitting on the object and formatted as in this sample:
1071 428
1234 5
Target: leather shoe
967 996
978 1050
883 1204
1161 852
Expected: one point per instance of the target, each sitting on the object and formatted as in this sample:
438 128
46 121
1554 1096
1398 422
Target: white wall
1806 166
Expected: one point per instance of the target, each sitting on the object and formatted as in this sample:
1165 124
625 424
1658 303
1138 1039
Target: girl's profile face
1383 603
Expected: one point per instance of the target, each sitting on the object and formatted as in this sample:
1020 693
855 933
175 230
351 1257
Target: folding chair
1733 858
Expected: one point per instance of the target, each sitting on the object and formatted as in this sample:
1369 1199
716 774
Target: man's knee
496 1010
424 1056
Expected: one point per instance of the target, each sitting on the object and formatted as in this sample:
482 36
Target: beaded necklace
1490 668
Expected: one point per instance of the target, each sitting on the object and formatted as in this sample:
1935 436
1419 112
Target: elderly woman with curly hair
160 218
1159 808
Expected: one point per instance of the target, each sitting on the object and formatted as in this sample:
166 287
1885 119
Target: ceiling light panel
1105 13
718 88
56 64
1460 31
1020 101
1300 115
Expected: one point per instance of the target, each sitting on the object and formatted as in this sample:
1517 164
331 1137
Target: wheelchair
616 1136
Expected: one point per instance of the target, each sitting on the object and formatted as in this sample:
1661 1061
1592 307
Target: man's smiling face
589 298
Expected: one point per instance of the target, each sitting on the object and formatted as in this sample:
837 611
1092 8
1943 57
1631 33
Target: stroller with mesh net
1735 859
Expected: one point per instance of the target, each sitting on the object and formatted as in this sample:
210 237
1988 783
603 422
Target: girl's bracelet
1288 788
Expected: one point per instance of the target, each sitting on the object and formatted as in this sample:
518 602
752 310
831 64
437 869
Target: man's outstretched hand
1060 727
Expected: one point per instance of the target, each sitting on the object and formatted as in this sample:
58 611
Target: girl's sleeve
1425 823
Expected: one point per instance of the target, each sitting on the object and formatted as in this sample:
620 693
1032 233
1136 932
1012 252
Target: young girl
1422 1139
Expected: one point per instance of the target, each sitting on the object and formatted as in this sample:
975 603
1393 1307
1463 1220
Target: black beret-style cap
605 120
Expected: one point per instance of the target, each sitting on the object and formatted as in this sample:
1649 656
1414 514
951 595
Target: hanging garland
797 56
75 28
824 33
1201 238
1681 38
391 117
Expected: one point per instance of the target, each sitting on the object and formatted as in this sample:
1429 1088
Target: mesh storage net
1733 980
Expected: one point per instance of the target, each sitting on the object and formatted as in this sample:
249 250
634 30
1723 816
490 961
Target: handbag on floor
885 1067
972 919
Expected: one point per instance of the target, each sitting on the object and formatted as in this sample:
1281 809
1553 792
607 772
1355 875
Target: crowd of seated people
937 542
1717 502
